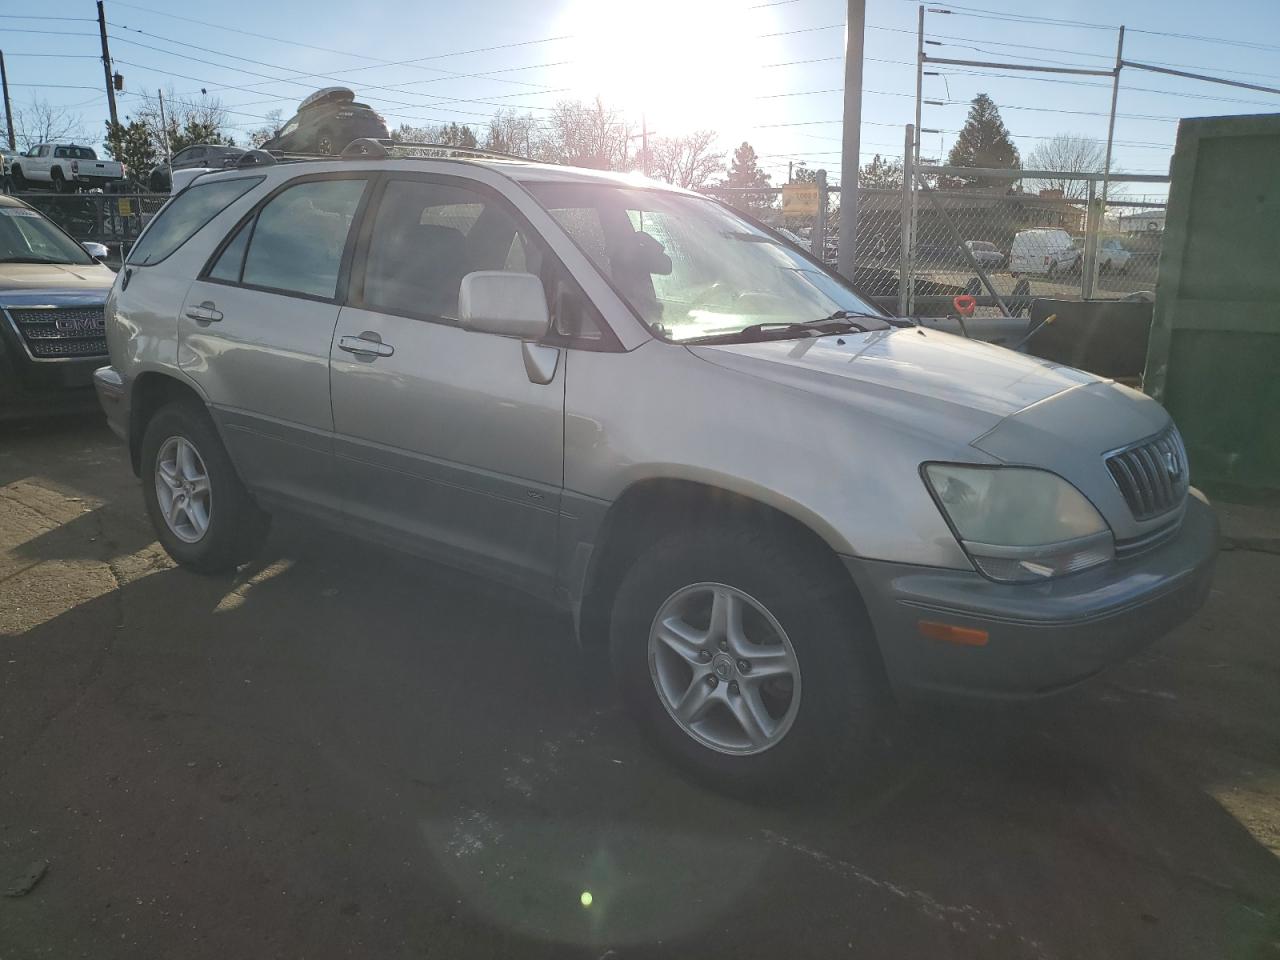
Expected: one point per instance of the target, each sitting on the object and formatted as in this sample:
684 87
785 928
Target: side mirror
98 251
508 304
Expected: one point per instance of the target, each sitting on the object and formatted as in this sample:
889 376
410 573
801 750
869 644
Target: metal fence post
904 254
1089 265
817 241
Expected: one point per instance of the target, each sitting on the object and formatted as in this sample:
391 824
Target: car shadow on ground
344 746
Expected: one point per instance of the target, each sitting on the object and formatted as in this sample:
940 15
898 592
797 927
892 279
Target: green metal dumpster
1214 354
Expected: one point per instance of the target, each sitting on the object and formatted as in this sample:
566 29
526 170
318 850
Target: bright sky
730 65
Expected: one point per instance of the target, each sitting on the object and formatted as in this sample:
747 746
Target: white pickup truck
66 167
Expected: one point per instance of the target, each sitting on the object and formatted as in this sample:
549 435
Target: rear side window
298 240
184 215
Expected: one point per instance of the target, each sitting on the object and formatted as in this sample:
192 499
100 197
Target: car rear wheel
202 514
60 184
748 660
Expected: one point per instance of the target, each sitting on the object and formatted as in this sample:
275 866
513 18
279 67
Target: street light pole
851 140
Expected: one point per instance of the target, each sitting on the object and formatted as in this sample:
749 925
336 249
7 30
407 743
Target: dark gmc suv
51 327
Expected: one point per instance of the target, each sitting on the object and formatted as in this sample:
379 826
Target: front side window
183 216
27 237
300 235
691 268
427 236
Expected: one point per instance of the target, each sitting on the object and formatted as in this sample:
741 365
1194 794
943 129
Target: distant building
1142 222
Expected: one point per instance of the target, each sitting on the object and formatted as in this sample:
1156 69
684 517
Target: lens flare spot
585 899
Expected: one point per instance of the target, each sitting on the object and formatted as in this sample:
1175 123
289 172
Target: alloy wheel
724 668
182 489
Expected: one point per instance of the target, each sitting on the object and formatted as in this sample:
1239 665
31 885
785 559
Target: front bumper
1041 637
30 390
114 399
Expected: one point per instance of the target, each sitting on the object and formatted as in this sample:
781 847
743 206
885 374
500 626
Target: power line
295 81
49 33
65 56
55 86
984 14
1248 44
22 16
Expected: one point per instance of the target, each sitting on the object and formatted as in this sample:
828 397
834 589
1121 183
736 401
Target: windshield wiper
842 321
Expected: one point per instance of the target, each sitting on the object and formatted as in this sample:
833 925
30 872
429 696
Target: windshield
27 237
691 268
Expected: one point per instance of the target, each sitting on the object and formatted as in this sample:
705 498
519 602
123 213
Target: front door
444 442
255 334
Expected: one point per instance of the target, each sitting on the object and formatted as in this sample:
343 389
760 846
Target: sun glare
685 64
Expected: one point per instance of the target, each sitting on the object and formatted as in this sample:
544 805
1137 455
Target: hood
23 278
917 374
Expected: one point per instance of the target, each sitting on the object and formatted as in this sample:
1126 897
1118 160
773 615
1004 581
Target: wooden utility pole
851 140
106 64
8 107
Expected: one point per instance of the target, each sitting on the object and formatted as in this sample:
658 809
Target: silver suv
778 506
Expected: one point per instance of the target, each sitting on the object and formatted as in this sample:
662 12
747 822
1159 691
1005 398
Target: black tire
60 184
844 695
237 527
1053 269
19 181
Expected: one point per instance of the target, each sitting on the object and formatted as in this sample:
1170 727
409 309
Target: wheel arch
653 508
150 391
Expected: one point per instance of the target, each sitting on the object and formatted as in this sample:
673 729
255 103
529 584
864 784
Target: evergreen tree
984 142
744 171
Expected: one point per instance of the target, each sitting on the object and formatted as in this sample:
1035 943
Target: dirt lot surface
347 753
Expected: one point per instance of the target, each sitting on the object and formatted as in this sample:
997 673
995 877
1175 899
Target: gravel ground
342 752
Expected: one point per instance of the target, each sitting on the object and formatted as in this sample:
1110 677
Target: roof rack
368 148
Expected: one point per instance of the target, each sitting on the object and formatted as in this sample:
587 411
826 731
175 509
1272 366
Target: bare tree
510 132
187 120
40 122
274 121
1067 153
587 135
687 162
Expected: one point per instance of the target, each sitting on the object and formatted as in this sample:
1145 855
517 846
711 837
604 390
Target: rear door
255 332
446 441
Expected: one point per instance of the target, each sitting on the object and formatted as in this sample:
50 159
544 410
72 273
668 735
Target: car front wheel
202 514
748 660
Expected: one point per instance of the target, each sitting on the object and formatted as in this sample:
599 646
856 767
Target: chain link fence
107 218
1005 243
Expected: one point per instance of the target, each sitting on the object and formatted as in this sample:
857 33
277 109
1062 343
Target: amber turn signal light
950 633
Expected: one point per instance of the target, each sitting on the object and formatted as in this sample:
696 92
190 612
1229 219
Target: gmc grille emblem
78 325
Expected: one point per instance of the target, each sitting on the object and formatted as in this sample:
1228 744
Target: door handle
368 345
206 312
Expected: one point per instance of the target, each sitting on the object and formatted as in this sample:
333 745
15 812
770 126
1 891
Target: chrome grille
62 332
1152 474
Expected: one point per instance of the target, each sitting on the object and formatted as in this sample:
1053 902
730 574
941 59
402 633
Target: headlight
1019 524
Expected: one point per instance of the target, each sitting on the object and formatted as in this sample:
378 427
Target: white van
1043 251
